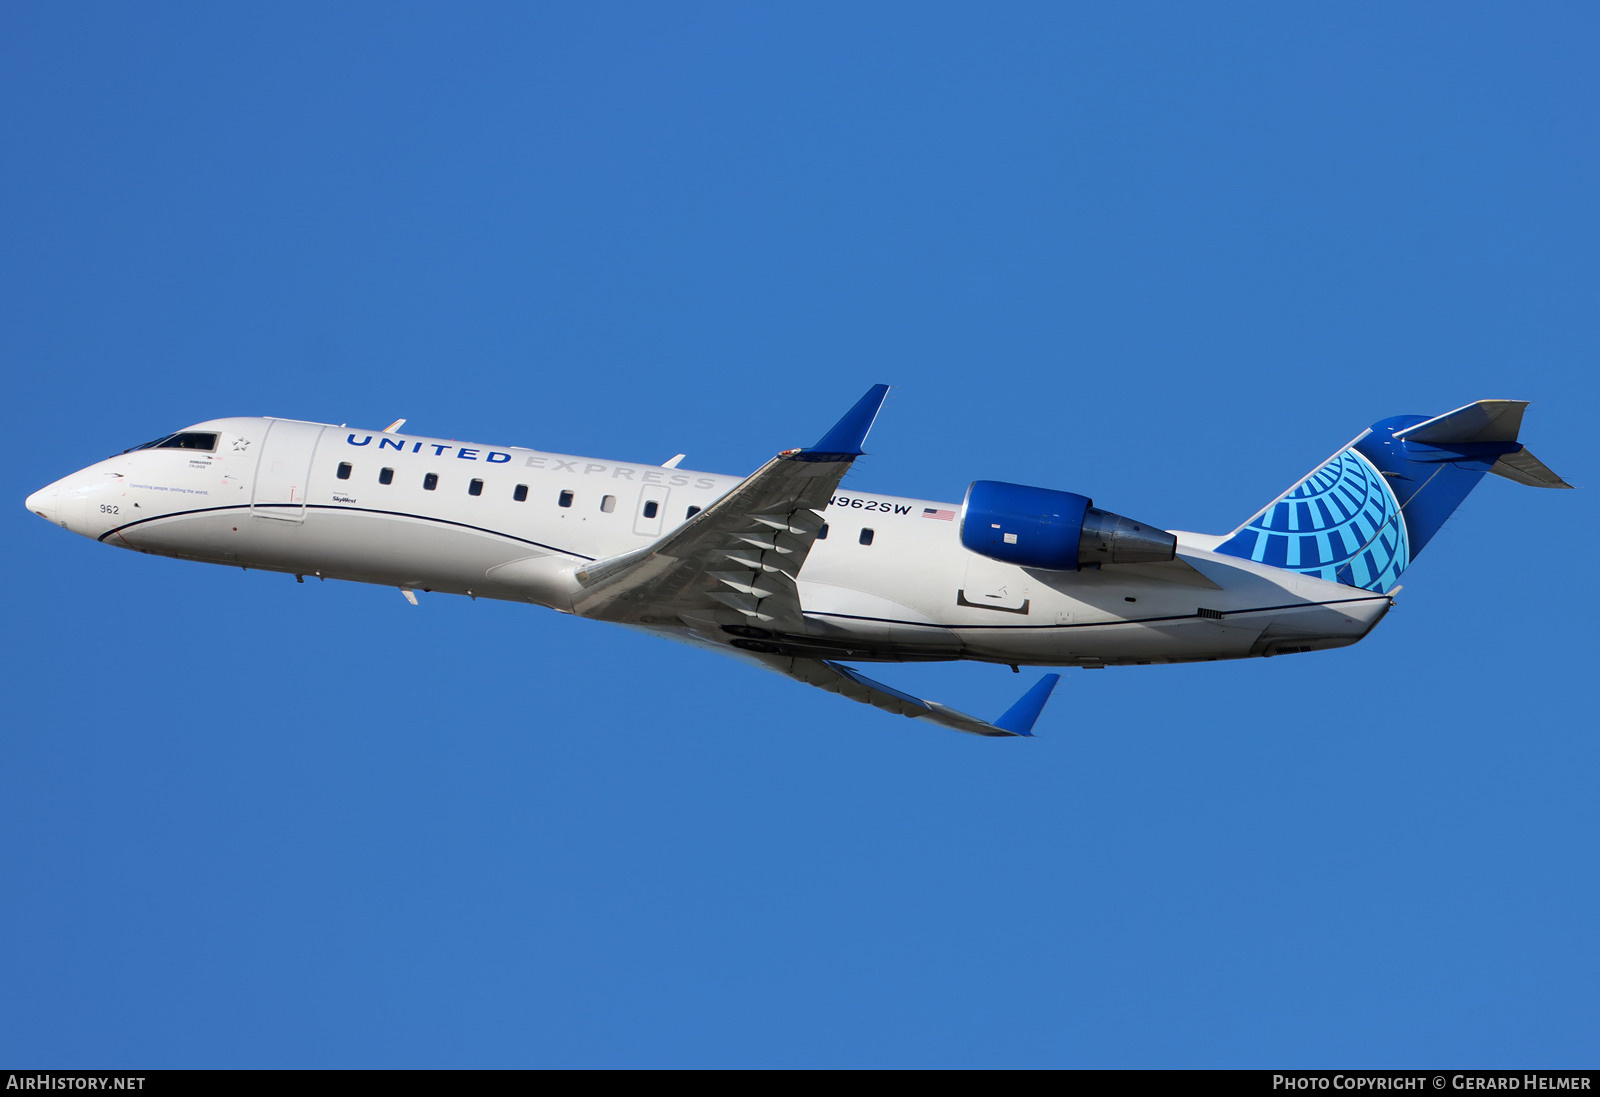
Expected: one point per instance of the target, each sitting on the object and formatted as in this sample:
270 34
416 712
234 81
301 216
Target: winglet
848 433
1020 717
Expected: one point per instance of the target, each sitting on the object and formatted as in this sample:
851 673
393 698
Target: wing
735 562
837 678
732 567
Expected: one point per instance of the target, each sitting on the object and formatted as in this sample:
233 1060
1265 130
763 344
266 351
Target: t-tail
1364 514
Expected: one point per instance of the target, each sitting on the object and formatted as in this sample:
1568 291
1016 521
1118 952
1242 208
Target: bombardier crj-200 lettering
789 570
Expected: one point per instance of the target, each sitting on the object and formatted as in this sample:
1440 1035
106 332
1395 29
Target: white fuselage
890 581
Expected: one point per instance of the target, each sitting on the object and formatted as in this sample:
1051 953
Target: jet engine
1054 530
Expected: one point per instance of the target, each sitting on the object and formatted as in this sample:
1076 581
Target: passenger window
386 476
822 534
475 488
521 494
692 512
866 537
344 470
651 509
565 499
608 504
430 481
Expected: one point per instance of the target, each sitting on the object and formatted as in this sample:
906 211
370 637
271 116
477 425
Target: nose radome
46 504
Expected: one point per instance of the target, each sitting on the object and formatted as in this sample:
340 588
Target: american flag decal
941 515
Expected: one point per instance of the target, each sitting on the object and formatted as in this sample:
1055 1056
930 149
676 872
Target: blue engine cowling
1054 530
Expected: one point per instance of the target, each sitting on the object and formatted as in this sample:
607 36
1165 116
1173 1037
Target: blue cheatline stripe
354 510
1099 624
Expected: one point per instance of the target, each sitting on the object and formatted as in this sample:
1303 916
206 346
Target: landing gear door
283 470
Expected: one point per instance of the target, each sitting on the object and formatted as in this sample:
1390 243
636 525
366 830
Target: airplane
788 569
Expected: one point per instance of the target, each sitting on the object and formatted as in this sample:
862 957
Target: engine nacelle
1054 530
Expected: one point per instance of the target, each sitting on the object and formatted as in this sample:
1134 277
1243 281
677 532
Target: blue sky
1166 255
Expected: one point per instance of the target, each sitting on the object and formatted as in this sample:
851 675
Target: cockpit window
184 439
191 439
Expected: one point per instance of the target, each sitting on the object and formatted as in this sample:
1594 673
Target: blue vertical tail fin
1364 514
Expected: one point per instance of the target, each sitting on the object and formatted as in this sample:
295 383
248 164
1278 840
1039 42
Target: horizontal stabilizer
1483 421
1523 467
1487 421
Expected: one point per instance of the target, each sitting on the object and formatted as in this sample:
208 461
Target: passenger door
283 471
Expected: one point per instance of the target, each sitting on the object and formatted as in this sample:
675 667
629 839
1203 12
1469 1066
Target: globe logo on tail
1342 523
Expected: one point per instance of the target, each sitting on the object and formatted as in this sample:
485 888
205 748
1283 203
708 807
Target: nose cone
64 503
46 503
